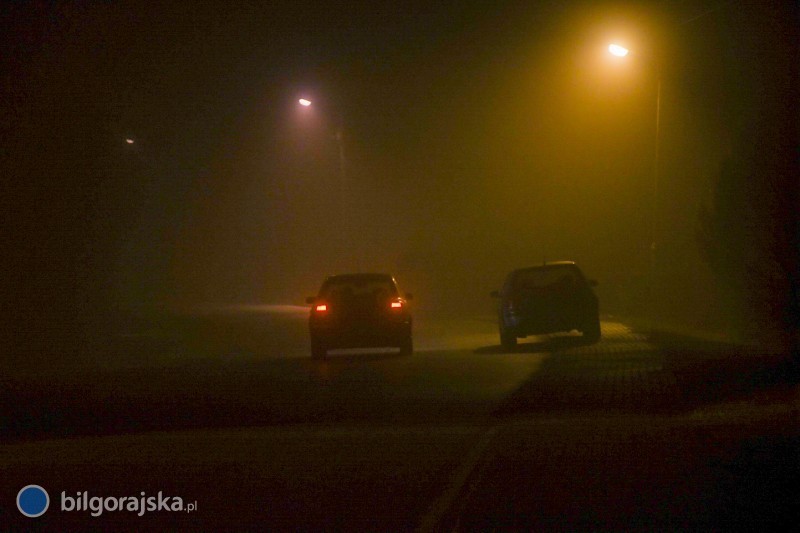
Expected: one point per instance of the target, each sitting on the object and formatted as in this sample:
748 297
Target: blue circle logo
33 501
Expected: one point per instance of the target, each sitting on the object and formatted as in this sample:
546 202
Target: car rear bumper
524 326
367 335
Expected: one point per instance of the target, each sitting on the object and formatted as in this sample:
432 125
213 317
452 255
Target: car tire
318 350
591 333
407 345
508 340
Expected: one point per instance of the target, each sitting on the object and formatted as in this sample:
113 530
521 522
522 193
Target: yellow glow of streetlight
304 102
617 50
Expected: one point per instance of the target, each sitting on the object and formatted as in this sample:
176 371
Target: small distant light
304 102
396 305
129 141
321 307
617 50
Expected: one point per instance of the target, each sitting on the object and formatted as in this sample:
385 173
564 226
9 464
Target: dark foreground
622 435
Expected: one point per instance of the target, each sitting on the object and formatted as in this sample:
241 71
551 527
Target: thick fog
445 144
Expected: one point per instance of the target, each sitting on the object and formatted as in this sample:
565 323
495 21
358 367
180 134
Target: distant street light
339 137
621 51
617 50
129 140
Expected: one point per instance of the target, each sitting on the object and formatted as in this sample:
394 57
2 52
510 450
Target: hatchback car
359 311
549 298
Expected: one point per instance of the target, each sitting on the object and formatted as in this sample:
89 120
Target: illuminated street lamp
617 50
339 141
339 137
621 51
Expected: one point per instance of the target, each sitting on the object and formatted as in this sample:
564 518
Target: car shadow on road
544 344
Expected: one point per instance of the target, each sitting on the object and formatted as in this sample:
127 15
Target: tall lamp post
339 137
621 51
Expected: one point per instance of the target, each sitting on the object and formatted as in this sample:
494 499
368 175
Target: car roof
361 277
548 264
545 266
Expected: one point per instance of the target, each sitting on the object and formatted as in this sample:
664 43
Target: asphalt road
224 407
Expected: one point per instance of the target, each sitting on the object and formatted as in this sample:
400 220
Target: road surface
224 408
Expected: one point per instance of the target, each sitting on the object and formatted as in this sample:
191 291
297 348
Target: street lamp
620 51
339 137
617 50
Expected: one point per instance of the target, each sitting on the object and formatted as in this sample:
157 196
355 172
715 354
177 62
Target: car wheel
318 350
591 333
407 345
508 339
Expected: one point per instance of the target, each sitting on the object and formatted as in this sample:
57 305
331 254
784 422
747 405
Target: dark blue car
550 298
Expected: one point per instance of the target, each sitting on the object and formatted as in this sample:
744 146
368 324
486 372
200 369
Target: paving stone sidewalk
635 435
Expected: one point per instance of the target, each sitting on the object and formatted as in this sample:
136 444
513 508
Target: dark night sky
478 137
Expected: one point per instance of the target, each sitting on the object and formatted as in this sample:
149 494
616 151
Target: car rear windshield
538 278
358 287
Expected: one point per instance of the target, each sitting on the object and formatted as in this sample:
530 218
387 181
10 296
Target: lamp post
621 51
339 137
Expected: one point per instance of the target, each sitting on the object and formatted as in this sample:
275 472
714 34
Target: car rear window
338 288
545 277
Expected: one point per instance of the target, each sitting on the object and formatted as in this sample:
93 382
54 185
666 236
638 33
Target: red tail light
397 304
321 308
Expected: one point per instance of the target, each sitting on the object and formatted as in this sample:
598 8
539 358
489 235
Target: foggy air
217 213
